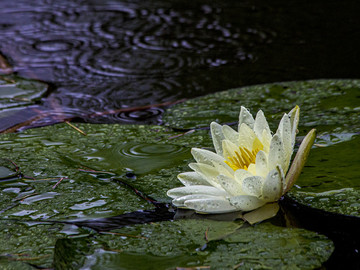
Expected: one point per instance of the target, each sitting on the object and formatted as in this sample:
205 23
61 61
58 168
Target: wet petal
192 190
230 185
266 139
230 134
206 156
245 117
179 201
246 202
253 185
207 172
277 154
217 137
241 174
210 158
192 178
247 137
273 186
284 130
294 121
229 148
260 125
252 169
261 164
210 206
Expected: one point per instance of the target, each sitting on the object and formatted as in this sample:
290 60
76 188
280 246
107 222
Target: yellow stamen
243 158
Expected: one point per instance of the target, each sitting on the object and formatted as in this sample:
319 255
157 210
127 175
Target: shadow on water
106 55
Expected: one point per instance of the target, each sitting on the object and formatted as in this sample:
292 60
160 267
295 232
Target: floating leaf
344 201
182 244
16 91
275 99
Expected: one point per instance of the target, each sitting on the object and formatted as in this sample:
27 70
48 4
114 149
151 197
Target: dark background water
105 55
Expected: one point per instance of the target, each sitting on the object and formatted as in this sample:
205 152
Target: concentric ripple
127 53
141 158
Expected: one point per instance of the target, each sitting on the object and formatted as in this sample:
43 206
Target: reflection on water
111 54
105 55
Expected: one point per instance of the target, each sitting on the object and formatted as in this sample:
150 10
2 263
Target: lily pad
344 201
60 169
29 243
324 105
182 244
16 91
330 180
70 177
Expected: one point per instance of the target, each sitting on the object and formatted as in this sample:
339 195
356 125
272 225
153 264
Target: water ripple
125 53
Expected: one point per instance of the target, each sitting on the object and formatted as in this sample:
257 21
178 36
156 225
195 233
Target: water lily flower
246 172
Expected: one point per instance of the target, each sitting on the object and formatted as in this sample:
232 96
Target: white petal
266 139
260 125
198 189
241 174
210 158
273 186
261 164
246 137
253 185
284 130
246 118
205 156
229 148
246 202
192 178
252 169
276 153
217 137
294 120
210 206
207 172
230 134
230 185
179 201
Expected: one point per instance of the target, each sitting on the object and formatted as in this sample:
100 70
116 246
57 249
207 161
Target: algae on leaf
344 201
275 98
182 243
144 156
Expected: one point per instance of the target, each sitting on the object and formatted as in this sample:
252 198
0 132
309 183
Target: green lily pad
16 91
47 155
324 105
29 243
68 176
182 244
330 180
344 201
8 170
332 168
59 165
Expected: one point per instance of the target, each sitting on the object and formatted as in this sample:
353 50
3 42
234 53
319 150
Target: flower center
242 159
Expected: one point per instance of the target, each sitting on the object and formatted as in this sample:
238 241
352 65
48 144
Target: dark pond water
112 54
